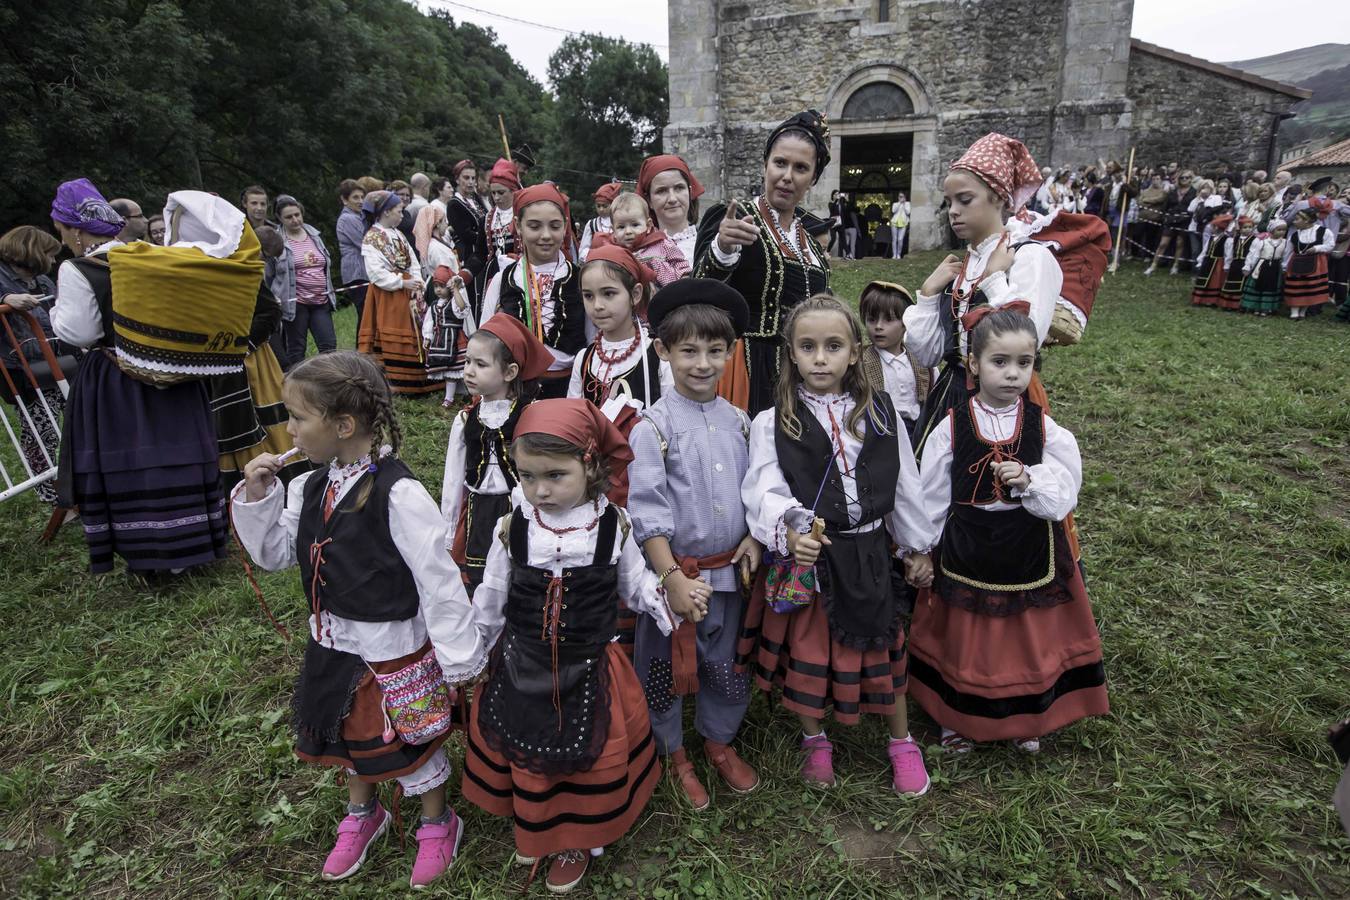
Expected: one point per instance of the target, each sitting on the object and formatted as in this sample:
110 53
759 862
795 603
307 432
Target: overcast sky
1218 30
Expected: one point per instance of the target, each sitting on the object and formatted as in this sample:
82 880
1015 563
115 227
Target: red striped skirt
1208 284
389 333
1006 677
794 651
1307 289
582 810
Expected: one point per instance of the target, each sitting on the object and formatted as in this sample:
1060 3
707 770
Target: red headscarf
541 193
1219 223
460 167
607 192
505 173
443 274
1005 164
579 423
611 252
533 357
655 165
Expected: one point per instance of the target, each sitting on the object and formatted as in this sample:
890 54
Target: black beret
706 291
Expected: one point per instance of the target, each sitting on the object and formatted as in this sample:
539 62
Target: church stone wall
1196 117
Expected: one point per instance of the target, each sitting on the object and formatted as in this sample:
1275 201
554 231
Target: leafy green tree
148 96
612 105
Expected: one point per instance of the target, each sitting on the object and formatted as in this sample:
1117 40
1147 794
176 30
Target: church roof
1335 155
1278 87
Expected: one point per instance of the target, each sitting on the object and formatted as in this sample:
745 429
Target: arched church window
879 100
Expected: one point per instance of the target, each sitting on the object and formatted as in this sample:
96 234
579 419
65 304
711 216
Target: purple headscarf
80 205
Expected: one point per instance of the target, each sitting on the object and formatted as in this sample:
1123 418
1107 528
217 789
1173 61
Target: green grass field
144 747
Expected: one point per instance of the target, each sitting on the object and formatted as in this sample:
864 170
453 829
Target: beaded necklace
612 359
590 526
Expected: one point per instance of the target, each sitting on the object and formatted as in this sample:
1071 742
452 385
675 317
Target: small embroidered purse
789 587
418 704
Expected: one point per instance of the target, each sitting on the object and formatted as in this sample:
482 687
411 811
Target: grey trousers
723 695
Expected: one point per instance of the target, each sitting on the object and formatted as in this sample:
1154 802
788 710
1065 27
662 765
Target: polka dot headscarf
1005 164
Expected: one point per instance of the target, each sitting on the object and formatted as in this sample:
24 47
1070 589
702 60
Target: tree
149 96
612 105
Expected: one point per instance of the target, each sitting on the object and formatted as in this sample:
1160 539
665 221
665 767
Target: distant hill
1296 66
1323 69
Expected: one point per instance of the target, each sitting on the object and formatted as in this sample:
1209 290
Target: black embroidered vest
361 575
482 442
568 331
810 461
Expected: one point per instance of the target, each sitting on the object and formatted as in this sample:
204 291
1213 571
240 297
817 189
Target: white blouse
1053 492
1035 276
378 269
665 378
267 528
556 552
75 315
598 225
771 508
493 414
493 296
1264 250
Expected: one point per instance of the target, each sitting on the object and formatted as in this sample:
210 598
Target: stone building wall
1061 75
1196 116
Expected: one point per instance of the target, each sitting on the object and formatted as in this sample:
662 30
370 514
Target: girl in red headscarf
501 363
541 288
499 233
602 223
559 735
1003 646
619 370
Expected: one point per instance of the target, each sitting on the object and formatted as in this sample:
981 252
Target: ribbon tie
317 580
553 607
974 315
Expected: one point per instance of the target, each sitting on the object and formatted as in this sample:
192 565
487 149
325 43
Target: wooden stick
1124 213
506 145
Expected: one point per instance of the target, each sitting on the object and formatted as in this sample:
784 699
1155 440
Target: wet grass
144 748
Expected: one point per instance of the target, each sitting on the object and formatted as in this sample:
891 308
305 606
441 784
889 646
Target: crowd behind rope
1279 243
677 467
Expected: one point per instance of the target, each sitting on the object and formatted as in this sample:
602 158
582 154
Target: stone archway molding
926 175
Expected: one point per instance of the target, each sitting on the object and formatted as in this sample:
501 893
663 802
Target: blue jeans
309 319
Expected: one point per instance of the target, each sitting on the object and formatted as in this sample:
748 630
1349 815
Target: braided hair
347 383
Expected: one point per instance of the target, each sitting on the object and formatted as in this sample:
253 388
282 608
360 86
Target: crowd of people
678 467
1253 244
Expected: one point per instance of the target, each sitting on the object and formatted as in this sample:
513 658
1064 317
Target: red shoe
682 771
735 771
566 870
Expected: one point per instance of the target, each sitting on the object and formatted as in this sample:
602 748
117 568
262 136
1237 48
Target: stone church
908 84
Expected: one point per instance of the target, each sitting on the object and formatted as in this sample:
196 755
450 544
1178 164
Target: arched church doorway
885 141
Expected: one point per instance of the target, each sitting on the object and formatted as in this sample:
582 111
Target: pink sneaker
355 835
910 777
437 846
818 766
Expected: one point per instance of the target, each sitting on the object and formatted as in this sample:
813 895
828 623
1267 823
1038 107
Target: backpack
1081 244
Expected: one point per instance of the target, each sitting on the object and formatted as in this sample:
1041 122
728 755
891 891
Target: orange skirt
794 651
995 678
391 335
1309 289
582 810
